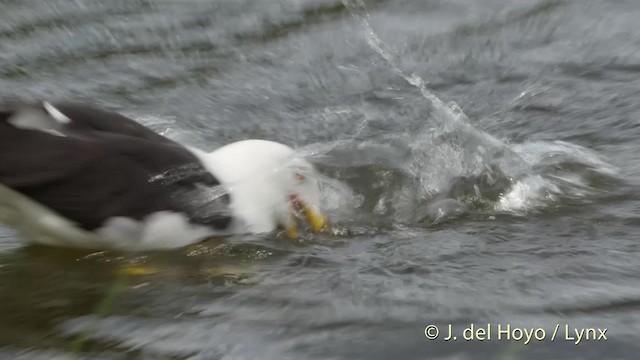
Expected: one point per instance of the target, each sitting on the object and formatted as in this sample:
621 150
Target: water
478 158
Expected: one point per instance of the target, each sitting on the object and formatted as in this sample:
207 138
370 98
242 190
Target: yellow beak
316 220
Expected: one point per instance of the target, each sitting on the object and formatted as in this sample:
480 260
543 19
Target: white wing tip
55 113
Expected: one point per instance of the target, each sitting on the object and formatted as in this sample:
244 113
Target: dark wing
86 118
74 119
89 180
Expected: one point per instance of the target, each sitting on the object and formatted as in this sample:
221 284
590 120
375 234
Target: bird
74 174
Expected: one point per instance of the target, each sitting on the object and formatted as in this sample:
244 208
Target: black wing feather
105 167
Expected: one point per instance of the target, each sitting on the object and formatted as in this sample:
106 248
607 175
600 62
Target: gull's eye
300 177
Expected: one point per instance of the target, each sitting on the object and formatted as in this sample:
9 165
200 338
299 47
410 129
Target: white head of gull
269 184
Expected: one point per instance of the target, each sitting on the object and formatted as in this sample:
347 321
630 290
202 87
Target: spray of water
455 161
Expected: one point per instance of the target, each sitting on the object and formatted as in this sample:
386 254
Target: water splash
448 117
452 158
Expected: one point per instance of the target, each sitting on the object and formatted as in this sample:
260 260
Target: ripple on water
522 212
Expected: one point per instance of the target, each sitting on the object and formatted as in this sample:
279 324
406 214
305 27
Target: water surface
480 160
